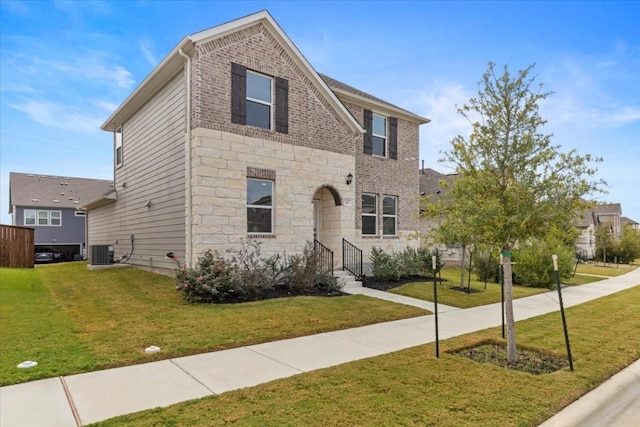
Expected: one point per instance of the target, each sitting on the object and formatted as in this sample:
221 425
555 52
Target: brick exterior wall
319 150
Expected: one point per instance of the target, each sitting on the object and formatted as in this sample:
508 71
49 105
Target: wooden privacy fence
16 246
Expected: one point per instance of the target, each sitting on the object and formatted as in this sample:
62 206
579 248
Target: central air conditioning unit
101 255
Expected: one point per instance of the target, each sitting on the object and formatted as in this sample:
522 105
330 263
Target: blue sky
65 66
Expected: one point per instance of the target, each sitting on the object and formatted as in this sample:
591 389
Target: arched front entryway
327 216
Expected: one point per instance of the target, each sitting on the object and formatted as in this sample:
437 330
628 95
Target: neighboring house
627 222
235 136
48 204
432 185
608 214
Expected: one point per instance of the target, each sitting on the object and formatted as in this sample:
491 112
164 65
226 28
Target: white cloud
145 48
59 116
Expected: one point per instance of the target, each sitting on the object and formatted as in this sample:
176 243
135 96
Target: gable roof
174 63
430 183
49 191
360 97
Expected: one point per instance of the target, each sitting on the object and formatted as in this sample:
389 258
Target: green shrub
409 264
425 258
244 275
384 267
534 264
213 279
486 264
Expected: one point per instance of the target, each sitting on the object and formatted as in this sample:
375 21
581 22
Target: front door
317 220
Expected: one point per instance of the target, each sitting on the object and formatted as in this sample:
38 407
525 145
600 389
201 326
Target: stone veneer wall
220 162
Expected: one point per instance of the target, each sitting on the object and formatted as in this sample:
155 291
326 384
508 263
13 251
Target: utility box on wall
101 255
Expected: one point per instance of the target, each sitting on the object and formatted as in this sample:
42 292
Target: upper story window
389 215
369 214
379 136
259 206
258 100
29 217
42 218
254 101
117 139
55 218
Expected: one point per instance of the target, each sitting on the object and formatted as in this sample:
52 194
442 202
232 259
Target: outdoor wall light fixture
349 178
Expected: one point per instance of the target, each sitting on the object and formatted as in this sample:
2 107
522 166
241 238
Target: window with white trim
369 214
117 138
389 215
259 206
55 218
379 135
43 217
259 100
29 217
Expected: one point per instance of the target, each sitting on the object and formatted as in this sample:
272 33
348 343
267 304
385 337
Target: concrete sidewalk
86 398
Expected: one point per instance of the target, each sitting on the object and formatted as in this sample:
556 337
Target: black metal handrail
325 257
352 259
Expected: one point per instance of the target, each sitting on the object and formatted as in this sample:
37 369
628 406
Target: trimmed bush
384 267
244 275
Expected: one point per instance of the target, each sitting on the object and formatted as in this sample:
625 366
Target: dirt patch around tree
529 360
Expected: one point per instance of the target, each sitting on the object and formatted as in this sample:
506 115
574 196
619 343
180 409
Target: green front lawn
611 270
413 388
456 298
72 320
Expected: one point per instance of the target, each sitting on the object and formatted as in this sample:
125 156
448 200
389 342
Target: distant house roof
431 183
53 191
627 221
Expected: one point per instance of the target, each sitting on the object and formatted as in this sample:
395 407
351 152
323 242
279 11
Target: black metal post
435 303
564 320
501 274
469 279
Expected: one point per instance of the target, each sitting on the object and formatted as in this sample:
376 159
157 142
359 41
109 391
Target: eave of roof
103 200
343 90
174 63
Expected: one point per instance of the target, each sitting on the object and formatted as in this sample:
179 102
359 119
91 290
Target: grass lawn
456 298
413 388
72 320
611 270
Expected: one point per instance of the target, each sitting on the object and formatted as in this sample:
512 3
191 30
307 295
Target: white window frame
374 214
376 135
118 154
33 217
387 215
45 218
269 207
59 218
260 101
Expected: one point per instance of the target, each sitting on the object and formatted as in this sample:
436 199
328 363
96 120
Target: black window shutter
393 138
238 94
368 134
282 105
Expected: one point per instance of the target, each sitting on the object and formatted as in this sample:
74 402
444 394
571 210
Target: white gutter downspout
189 245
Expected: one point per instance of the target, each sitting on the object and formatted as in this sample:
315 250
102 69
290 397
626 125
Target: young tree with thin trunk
513 183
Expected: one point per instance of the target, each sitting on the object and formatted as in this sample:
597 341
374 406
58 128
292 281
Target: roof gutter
187 144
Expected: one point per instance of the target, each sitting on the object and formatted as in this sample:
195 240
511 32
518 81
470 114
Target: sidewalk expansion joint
192 377
72 405
273 359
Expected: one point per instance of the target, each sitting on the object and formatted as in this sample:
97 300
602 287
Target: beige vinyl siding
153 169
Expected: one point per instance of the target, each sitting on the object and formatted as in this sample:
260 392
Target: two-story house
235 136
48 204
